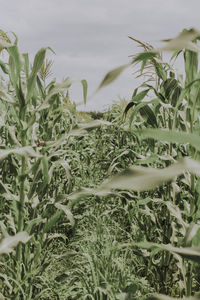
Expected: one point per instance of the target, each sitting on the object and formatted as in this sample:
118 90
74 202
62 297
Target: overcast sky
90 37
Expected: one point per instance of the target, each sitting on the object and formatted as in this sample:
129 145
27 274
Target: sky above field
90 37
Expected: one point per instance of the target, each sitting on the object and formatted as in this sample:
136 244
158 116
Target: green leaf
61 163
4 67
6 97
45 170
12 136
148 113
138 178
93 125
23 151
37 64
191 66
31 223
52 221
67 212
20 97
8 243
192 253
139 97
40 87
58 88
183 41
160 71
36 171
128 107
85 86
169 85
144 56
190 234
15 56
26 64
141 107
111 76
171 136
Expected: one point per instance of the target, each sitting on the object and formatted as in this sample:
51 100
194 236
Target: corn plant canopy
100 206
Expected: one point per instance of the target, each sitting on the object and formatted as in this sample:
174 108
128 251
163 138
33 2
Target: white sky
90 37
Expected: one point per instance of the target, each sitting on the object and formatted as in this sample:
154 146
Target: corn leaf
144 57
139 178
171 136
85 87
183 41
16 61
67 212
24 151
190 253
45 170
8 243
190 234
26 64
37 64
111 76
6 97
52 221
58 88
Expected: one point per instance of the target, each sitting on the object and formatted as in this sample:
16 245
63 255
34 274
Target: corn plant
34 129
173 118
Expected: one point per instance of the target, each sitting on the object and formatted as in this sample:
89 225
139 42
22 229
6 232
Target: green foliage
106 209
35 116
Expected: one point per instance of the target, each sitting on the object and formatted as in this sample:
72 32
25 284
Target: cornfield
106 208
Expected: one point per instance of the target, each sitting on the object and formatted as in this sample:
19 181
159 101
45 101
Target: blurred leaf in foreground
171 136
112 75
23 151
183 41
138 178
8 243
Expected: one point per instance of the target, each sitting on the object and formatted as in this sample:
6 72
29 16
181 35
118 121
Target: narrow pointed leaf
45 170
138 178
8 243
52 221
112 75
182 41
171 136
24 151
67 212
144 56
37 64
26 64
58 88
140 96
15 56
6 97
129 106
85 87
192 253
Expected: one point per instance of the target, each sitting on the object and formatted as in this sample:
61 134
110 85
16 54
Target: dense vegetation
100 209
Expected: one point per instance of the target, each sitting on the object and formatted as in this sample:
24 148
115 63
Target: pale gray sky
90 37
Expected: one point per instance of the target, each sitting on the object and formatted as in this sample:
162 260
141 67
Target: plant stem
21 210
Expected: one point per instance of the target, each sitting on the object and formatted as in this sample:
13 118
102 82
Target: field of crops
103 208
